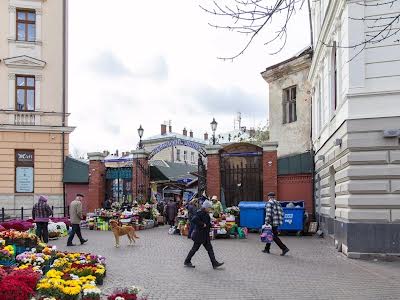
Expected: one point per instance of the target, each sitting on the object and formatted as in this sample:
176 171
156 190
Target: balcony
24 118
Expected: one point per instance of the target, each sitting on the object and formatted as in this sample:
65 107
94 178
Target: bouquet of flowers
132 293
233 210
7 253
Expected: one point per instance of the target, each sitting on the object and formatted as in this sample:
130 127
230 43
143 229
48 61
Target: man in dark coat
201 236
171 211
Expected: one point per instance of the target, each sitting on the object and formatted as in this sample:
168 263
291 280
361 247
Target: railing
24 118
26 213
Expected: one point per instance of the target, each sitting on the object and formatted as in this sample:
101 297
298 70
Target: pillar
270 168
140 175
97 181
213 170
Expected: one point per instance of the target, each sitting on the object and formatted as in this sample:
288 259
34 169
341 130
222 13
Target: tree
250 17
260 136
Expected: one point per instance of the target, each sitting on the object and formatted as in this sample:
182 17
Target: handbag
267 236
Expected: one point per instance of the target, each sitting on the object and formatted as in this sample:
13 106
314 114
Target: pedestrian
76 216
201 235
192 209
217 208
107 204
171 211
41 213
274 218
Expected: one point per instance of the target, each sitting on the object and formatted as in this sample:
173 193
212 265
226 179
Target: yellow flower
43 286
73 291
54 274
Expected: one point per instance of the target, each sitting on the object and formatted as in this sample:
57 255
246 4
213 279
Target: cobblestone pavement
312 270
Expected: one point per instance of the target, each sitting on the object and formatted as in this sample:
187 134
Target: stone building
356 117
34 127
174 147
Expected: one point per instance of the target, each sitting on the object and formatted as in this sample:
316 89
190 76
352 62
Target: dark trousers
191 228
196 247
277 240
76 229
42 231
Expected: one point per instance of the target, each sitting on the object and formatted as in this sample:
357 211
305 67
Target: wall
71 189
296 187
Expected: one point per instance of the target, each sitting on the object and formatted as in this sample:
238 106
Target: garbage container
252 214
293 219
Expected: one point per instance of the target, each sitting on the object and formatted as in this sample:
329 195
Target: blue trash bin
252 214
293 219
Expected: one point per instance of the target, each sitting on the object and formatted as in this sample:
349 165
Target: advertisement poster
24 180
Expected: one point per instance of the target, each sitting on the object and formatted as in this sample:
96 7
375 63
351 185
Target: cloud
109 65
229 100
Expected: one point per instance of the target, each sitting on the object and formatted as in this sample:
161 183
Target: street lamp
214 125
140 132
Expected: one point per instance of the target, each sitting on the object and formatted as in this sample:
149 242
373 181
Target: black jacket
201 233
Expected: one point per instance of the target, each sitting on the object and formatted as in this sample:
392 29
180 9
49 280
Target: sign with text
178 142
24 156
24 180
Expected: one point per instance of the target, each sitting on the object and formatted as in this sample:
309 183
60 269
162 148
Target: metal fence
26 213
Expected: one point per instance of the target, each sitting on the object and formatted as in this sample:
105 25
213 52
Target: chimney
163 129
191 133
184 131
116 152
170 126
206 136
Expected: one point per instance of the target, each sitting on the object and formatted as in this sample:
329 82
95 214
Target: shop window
178 154
25 93
24 171
289 105
26 25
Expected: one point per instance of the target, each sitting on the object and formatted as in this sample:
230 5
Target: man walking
274 217
40 214
75 214
201 235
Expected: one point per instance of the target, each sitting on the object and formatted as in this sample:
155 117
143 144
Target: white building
175 147
356 99
33 102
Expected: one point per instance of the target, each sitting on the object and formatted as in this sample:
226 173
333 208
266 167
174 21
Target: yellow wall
48 161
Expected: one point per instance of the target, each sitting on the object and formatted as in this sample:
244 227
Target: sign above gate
178 142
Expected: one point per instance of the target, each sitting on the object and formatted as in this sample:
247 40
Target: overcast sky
144 62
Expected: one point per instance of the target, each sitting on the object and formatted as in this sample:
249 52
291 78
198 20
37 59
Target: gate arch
179 142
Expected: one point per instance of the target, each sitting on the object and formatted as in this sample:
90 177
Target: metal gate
202 176
241 177
119 184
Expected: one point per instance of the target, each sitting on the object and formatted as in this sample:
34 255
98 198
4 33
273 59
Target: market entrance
119 184
241 173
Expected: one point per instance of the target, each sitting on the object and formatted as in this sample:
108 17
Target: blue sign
178 142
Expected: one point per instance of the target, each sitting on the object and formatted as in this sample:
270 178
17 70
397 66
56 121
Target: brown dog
122 230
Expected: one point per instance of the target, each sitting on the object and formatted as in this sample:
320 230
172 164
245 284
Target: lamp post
214 125
140 132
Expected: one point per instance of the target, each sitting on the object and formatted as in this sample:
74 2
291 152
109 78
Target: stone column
270 168
97 181
140 175
213 171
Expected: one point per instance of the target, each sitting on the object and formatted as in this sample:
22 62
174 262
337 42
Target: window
185 157
334 76
178 154
289 105
25 93
24 166
26 25
192 157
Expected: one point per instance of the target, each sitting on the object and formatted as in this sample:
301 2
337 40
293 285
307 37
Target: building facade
33 101
290 104
356 117
175 147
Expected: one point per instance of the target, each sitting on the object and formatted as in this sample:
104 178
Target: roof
75 171
307 51
172 135
235 136
161 170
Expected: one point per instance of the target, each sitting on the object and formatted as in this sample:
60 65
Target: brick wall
71 189
296 187
213 175
270 173
97 185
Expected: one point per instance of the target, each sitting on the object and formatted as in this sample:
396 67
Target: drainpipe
64 95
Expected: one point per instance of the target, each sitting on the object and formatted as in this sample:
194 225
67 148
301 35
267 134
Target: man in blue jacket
201 235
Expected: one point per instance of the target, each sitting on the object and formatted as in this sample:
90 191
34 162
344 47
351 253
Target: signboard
178 142
24 157
24 180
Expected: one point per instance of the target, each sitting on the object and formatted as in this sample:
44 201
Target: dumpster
252 214
293 219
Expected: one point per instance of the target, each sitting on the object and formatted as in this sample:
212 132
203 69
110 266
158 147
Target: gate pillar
140 175
270 168
213 171
97 181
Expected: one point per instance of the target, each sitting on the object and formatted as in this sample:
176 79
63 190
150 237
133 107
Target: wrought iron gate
202 176
241 177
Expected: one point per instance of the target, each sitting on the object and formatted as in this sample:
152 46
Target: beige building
290 104
33 101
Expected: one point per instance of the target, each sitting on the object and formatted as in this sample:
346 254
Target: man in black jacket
201 235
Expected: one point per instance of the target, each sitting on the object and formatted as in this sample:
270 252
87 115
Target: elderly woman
217 208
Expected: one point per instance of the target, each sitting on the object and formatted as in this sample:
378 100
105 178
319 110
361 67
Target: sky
137 63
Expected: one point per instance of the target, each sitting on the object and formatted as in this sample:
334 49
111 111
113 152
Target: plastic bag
267 236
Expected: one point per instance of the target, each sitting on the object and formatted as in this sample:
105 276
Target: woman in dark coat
192 209
171 211
201 236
